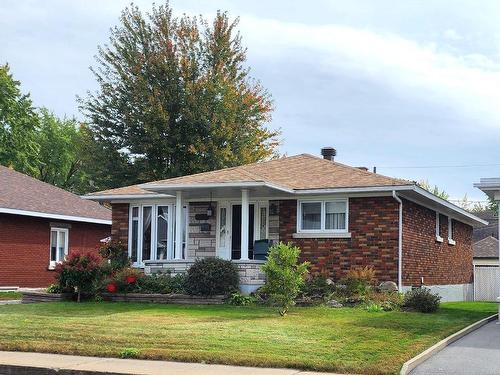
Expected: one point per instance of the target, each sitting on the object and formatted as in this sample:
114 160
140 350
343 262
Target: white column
245 213
498 298
178 226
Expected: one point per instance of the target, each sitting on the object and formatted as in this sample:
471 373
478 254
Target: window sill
439 239
451 242
322 235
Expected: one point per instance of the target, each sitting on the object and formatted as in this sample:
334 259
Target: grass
10 295
342 340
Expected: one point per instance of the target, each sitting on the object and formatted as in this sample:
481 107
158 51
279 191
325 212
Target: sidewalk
14 363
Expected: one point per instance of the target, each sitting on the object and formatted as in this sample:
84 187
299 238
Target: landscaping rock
330 282
388 286
334 304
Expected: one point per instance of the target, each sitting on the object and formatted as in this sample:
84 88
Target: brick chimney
328 153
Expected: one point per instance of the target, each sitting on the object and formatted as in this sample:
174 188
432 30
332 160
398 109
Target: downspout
400 241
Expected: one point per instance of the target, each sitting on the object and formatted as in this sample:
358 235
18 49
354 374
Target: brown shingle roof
294 172
21 192
486 248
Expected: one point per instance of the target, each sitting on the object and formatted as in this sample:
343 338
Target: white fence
486 283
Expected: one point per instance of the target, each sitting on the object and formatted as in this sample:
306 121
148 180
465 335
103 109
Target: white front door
224 231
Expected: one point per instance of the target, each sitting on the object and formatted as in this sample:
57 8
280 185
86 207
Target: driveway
476 353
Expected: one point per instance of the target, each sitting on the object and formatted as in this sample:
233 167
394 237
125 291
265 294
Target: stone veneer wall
201 244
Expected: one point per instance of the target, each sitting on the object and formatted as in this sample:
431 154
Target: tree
18 125
284 275
175 97
424 184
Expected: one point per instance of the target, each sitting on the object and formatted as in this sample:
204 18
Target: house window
134 246
58 245
323 216
152 232
451 241
438 228
263 223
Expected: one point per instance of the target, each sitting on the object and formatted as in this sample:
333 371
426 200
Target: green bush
373 307
116 255
359 281
79 273
130 353
237 299
162 283
211 276
284 276
317 286
53 288
421 299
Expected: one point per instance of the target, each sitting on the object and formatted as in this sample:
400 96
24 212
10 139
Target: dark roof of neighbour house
299 172
486 248
24 195
488 230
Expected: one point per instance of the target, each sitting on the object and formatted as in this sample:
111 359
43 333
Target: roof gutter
400 241
46 215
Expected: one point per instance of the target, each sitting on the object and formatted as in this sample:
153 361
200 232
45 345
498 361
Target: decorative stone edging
408 366
32 297
182 299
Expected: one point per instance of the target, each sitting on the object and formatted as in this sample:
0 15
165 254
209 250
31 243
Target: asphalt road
477 353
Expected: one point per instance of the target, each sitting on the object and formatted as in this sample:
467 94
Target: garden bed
181 299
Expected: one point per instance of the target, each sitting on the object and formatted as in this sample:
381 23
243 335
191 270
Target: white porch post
244 224
178 225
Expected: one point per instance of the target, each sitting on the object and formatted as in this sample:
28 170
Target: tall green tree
175 96
424 184
18 125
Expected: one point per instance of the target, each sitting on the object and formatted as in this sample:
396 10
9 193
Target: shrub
359 280
284 275
237 299
317 286
127 279
53 288
162 283
421 299
116 255
210 276
373 307
79 272
388 301
130 353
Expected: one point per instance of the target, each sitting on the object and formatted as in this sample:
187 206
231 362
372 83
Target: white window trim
52 263
154 234
324 231
438 234
451 241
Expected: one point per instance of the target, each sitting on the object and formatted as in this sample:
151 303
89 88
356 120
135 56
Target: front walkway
22 363
477 353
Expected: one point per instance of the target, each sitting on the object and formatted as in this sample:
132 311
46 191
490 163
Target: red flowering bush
79 272
125 280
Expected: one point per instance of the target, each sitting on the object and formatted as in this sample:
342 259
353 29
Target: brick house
340 216
39 225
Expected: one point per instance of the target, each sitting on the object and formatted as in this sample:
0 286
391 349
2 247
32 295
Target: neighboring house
340 216
486 252
488 230
39 225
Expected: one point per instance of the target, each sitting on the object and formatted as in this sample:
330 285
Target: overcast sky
387 83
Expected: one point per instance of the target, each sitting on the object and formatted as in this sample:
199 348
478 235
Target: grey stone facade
201 243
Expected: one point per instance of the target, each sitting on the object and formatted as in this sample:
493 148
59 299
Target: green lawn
10 295
343 340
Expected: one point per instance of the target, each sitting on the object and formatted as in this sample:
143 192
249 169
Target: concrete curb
408 366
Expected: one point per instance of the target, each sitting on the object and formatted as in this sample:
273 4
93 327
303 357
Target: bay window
322 216
152 232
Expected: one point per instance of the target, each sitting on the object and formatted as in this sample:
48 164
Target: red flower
131 279
111 287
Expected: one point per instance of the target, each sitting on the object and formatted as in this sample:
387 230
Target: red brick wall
119 228
439 263
25 246
373 223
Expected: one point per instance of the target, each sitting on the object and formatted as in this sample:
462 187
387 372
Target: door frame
225 253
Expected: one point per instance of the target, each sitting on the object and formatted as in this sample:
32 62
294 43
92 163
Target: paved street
477 353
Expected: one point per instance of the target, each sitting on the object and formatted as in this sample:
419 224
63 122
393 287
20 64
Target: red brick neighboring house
340 216
39 225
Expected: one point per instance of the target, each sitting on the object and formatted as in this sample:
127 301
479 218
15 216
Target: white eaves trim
109 197
366 189
244 184
82 219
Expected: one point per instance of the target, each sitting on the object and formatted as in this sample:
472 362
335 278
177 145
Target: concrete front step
20 363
